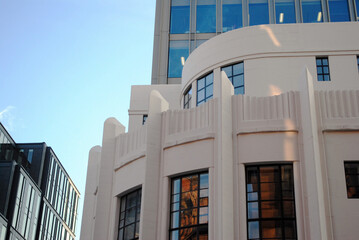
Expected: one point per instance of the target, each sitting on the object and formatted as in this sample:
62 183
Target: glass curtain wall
180 16
312 11
231 15
285 11
178 53
258 12
206 16
339 10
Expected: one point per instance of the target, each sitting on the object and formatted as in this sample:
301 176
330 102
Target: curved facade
278 160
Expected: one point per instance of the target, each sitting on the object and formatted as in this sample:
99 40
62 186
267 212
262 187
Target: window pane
189 217
271 229
231 14
129 232
175 220
204 180
180 13
269 174
228 71
312 11
285 11
206 16
258 12
176 186
178 52
253 230
189 199
271 209
339 10
129 218
253 210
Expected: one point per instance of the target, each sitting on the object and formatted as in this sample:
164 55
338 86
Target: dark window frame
230 77
261 219
205 88
180 209
122 215
323 70
349 184
187 97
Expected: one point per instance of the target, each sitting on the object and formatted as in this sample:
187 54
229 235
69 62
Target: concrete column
317 215
224 165
112 129
150 191
89 209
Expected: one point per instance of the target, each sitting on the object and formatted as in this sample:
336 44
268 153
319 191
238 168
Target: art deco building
257 141
38 199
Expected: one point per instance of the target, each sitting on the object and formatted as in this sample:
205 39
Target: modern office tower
259 139
182 25
38 199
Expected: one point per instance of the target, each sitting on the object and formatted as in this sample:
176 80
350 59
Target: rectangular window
312 11
144 119
189 207
352 178
258 12
285 11
323 69
180 13
177 55
187 98
270 202
339 10
231 15
206 16
130 210
235 74
204 89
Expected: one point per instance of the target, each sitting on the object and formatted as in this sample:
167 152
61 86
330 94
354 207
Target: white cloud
7 117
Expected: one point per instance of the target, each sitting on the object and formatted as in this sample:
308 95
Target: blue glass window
312 11
180 16
235 74
357 8
339 10
206 16
232 14
323 69
204 89
178 53
187 97
285 11
258 12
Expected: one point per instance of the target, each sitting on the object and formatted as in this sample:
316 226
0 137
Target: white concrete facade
285 116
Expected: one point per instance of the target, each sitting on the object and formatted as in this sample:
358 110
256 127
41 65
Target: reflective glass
253 210
258 12
129 232
271 229
180 16
204 180
176 186
357 8
312 11
178 53
206 16
231 14
285 11
189 217
253 230
175 220
339 10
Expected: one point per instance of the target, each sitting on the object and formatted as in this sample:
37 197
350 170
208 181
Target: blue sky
66 66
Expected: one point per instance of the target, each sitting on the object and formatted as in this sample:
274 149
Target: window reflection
130 209
270 202
206 16
189 207
177 51
258 12
285 11
231 14
339 10
180 16
312 11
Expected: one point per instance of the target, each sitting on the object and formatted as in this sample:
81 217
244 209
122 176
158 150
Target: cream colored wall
340 147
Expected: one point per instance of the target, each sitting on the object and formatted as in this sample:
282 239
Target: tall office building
255 139
38 199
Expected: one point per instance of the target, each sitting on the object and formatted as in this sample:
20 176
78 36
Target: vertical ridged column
89 209
317 213
224 186
152 186
103 229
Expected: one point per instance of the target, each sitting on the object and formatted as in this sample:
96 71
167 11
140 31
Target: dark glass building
38 199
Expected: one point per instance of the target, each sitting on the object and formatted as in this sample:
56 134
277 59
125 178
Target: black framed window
270 202
187 98
352 178
144 118
204 89
235 74
189 207
323 69
130 210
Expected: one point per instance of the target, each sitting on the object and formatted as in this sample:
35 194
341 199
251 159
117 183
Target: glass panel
253 230
253 210
239 90
180 16
290 229
203 215
351 168
131 199
130 215
203 193
206 16
232 14
129 232
204 181
270 209
176 198
285 11
238 69
271 229
252 196
209 79
312 11
238 81
339 10
189 199
203 232
174 235
175 220
175 207
209 91
288 208
269 174
190 183
178 53
176 186
203 201
251 176
357 8
270 191
228 71
137 231
188 233
189 217
200 83
258 12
